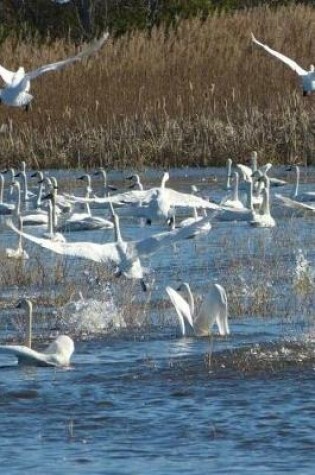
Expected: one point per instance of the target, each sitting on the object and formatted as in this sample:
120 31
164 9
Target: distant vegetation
194 95
85 18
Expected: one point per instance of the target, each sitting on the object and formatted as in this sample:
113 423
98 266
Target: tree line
83 19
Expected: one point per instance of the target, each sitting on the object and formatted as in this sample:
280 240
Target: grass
191 96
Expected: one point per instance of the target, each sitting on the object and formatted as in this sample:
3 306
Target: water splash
92 315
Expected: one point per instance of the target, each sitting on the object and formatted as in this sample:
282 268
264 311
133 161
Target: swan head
165 178
312 68
86 177
25 304
184 286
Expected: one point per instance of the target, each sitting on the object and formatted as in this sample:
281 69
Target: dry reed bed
193 96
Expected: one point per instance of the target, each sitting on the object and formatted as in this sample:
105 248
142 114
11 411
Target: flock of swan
56 213
246 198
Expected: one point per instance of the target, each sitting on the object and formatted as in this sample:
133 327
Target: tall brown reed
193 96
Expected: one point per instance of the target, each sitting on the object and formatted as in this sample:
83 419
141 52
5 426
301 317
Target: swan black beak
143 285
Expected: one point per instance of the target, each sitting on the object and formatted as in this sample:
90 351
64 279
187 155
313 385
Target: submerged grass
191 96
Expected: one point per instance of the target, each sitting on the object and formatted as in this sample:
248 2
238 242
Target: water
139 399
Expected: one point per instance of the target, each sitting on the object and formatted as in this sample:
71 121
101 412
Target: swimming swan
57 354
18 83
263 218
214 309
19 252
307 78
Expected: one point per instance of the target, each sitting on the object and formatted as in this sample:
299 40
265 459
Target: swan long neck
25 188
50 219
164 179
297 183
191 301
266 198
118 237
250 195
229 171
18 203
1 187
254 161
235 190
28 341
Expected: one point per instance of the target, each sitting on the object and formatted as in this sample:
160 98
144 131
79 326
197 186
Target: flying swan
214 309
18 83
125 255
57 354
307 78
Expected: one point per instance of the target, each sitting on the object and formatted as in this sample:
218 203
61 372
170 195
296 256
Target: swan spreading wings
157 202
125 255
307 78
213 309
57 354
18 83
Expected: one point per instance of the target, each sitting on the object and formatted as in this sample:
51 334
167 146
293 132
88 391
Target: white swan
83 221
126 255
228 173
254 162
37 218
263 218
136 182
18 83
51 232
203 228
155 203
307 78
25 192
234 201
106 187
5 208
19 252
214 309
299 205
57 354
302 197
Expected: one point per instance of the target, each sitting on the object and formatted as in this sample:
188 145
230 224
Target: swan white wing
26 355
85 250
135 196
7 75
186 200
213 310
152 244
92 48
181 307
294 204
289 62
245 171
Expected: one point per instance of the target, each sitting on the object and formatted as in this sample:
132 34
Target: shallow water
143 400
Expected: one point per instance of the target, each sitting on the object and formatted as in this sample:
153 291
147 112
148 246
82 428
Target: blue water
141 399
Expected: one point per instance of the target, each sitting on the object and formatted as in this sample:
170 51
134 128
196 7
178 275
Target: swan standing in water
57 354
39 217
126 255
214 309
307 78
18 83
234 201
302 197
83 221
